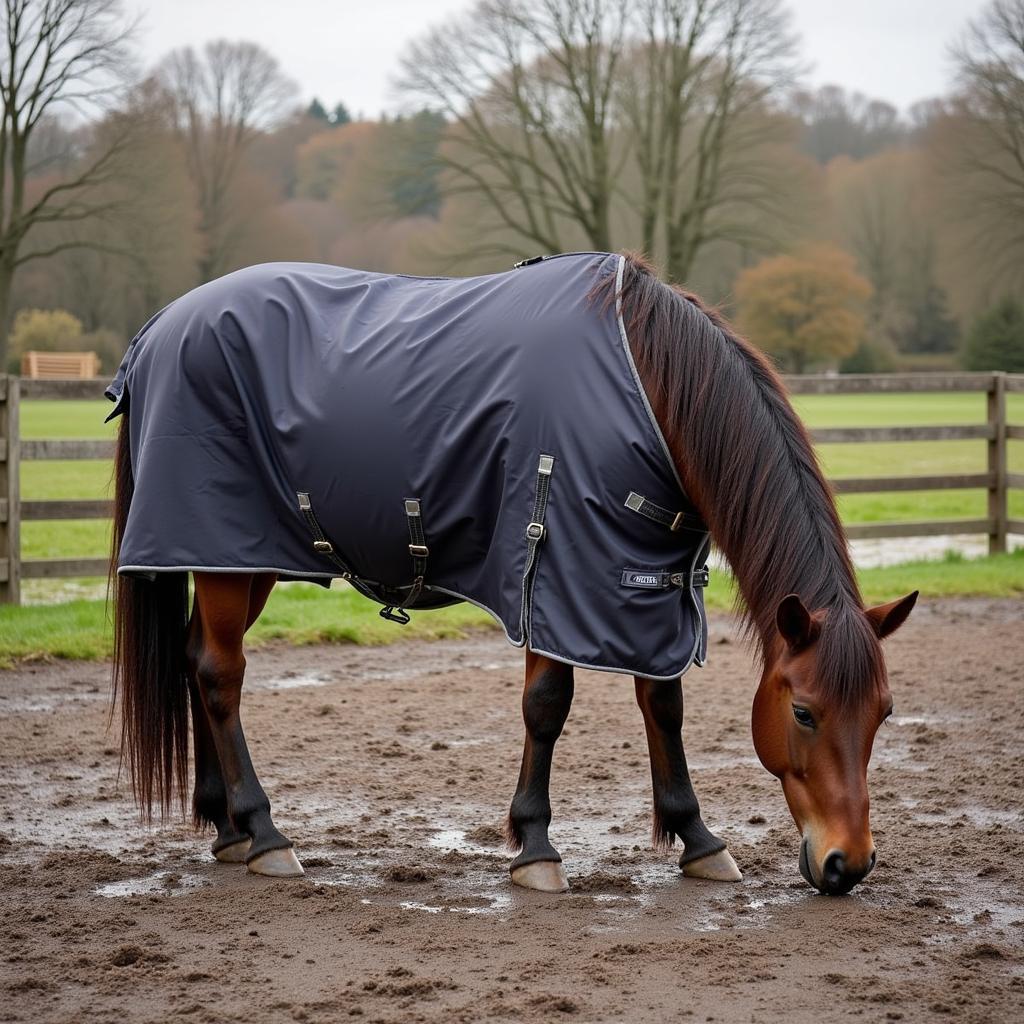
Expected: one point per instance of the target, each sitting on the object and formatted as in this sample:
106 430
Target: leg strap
321 544
420 552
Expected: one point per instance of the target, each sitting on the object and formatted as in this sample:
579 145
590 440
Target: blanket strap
535 530
673 520
321 544
420 552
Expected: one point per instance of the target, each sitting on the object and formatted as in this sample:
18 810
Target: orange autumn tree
804 308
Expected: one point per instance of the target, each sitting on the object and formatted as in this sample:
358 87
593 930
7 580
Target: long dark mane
747 464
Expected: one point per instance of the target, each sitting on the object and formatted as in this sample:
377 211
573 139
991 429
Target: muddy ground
392 770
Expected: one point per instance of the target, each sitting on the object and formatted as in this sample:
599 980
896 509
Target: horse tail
149 673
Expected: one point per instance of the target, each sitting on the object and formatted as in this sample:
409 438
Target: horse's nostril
871 863
837 877
834 870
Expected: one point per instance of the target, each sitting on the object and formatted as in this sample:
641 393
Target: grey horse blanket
432 440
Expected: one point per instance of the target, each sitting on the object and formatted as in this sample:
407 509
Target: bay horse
618 375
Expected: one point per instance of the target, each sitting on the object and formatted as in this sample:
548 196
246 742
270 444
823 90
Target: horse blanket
431 440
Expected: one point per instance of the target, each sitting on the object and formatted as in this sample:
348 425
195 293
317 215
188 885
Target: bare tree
560 107
837 122
707 69
222 99
982 143
528 85
58 56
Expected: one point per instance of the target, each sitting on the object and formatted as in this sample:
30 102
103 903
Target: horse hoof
542 875
233 854
276 864
718 867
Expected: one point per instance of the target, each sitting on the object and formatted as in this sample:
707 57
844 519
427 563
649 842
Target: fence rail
997 481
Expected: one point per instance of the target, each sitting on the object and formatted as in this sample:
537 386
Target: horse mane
748 466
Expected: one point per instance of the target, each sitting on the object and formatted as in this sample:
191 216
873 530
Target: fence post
997 467
10 504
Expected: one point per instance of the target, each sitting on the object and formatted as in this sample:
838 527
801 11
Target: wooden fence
995 432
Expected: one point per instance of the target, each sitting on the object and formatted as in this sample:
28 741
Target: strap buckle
419 550
675 521
535 531
698 578
325 547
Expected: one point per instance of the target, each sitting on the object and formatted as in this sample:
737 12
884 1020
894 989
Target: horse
605 371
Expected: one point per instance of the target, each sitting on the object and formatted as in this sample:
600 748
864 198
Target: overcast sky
347 49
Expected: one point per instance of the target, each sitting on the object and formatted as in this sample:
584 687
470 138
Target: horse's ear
795 623
887 618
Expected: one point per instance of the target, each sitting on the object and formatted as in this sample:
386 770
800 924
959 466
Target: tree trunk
6 281
681 251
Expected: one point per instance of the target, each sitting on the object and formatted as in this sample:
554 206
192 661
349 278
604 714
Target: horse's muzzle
837 877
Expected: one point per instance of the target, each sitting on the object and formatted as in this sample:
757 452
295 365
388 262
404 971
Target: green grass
912 458
893 410
92 479
66 419
301 613
72 538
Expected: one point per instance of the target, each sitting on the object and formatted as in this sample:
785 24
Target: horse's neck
764 574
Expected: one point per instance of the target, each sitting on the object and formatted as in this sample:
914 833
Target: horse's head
816 737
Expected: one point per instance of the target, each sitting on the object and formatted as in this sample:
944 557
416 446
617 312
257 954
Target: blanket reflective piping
361 389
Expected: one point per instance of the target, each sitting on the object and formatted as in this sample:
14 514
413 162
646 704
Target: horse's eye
803 716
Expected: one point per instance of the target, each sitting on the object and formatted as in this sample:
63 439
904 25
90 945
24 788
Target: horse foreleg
547 698
209 798
223 604
676 810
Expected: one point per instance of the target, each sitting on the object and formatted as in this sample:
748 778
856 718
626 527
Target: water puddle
980 817
492 904
357 874
37 703
291 681
453 840
410 905
165 883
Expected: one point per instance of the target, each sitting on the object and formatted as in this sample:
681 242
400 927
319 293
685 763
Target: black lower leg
209 797
220 685
676 810
546 702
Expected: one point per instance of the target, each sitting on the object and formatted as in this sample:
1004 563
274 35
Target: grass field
303 613
73 538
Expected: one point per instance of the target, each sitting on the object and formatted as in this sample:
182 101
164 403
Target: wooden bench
59 365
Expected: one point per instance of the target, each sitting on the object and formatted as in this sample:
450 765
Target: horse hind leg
676 810
226 605
209 798
547 698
